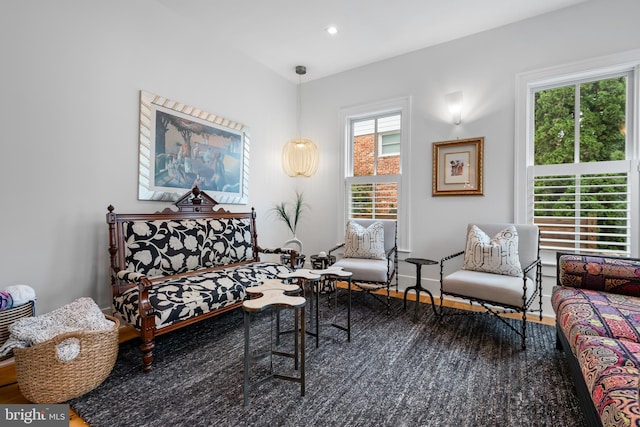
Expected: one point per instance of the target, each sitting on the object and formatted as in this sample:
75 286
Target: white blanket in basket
81 314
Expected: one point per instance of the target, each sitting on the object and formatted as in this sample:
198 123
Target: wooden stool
273 295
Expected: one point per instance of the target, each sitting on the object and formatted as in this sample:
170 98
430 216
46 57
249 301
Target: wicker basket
7 317
44 378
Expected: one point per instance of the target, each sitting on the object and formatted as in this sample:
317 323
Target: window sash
379 127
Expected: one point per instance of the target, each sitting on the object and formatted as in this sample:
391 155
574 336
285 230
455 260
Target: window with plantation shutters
373 179
582 164
376 152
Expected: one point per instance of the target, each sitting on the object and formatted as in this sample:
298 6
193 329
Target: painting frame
181 146
458 167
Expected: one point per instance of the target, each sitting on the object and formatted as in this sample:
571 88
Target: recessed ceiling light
332 30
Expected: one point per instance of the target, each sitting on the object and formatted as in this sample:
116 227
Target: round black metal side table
419 262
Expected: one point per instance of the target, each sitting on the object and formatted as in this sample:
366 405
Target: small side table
331 274
273 295
419 262
314 278
305 276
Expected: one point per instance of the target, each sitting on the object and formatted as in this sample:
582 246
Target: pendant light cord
300 71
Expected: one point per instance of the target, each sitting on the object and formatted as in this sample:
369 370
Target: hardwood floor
10 392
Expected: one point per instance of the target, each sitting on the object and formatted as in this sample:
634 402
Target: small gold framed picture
457 167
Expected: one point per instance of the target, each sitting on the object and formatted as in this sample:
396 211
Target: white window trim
402 104
526 83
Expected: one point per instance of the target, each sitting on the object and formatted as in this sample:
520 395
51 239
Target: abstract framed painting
182 146
458 167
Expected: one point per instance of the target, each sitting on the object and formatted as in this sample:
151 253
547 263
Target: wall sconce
300 156
454 102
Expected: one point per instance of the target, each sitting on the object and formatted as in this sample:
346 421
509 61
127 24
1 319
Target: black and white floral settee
173 268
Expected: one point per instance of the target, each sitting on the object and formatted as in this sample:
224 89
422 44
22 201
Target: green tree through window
577 206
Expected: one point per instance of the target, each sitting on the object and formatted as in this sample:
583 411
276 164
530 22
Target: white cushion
498 255
363 242
366 270
487 286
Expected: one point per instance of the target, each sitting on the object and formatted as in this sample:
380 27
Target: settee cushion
610 369
608 274
167 247
187 296
588 312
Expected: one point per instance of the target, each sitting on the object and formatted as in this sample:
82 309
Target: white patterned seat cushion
188 296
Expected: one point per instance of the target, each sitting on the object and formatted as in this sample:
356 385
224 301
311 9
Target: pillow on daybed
498 255
363 242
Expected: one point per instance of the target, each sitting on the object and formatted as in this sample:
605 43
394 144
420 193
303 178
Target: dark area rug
396 371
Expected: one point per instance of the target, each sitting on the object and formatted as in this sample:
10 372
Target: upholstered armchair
501 273
371 255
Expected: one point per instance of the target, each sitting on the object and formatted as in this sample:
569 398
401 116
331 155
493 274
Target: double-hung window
376 145
372 186
579 181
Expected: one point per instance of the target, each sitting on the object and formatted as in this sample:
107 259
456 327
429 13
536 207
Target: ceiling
281 34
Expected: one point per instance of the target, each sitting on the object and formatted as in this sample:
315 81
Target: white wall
69 102
70 81
484 67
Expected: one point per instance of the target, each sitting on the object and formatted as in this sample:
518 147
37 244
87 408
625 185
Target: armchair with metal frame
372 275
500 294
